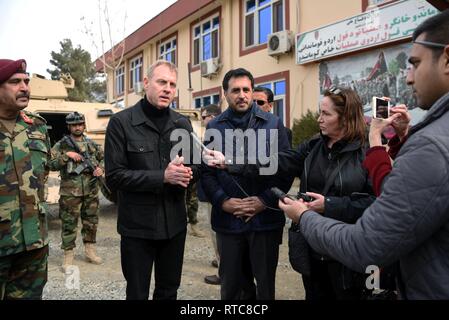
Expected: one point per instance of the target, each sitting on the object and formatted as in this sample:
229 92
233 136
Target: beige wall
304 15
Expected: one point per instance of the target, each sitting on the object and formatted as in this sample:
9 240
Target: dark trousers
138 256
327 282
23 275
245 257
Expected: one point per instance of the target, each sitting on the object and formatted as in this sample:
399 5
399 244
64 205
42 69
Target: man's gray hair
158 63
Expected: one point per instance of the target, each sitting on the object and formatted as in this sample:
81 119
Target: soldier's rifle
86 162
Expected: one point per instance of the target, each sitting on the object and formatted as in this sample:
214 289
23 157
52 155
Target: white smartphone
381 108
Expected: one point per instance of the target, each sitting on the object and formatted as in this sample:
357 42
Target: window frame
209 93
273 78
244 49
199 22
117 82
277 97
211 96
132 69
170 38
256 19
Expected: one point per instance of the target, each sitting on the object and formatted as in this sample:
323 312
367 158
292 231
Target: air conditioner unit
138 87
280 42
210 67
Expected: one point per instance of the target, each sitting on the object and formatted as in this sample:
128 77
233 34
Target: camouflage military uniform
78 192
192 204
24 157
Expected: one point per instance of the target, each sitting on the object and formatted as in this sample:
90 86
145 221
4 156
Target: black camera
281 195
304 197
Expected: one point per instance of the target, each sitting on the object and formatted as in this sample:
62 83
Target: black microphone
183 123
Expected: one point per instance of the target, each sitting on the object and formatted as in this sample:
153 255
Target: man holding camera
409 220
79 187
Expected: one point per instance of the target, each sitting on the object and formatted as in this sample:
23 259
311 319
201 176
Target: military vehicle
49 99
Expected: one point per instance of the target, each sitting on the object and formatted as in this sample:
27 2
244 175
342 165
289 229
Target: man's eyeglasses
431 44
261 102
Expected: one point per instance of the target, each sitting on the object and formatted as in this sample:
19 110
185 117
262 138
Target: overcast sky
31 29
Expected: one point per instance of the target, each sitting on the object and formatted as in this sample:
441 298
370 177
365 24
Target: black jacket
220 185
136 155
350 192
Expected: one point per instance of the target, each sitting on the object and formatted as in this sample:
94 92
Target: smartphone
381 108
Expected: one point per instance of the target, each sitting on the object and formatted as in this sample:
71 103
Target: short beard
76 134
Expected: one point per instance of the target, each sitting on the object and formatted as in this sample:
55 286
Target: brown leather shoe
214 280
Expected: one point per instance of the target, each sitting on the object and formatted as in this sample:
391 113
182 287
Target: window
120 81
205 40
206 100
104 113
135 71
167 50
280 91
262 17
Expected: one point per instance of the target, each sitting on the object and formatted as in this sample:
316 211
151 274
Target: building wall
303 83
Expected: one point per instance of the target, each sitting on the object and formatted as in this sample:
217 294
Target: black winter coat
136 155
350 192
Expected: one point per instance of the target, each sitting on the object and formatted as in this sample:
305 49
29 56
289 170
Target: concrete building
298 48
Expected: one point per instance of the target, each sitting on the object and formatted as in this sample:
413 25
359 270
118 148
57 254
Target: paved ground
106 282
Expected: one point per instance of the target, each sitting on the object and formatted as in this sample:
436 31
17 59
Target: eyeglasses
337 92
431 44
334 90
261 102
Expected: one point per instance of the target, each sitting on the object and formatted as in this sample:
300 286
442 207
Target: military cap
10 67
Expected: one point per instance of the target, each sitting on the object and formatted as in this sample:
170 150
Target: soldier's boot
68 259
195 231
91 255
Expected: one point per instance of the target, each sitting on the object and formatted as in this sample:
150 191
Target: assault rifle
86 164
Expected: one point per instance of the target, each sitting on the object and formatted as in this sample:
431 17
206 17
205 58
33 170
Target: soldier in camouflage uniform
24 156
79 188
192 211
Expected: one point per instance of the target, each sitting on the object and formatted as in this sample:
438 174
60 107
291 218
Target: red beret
10 67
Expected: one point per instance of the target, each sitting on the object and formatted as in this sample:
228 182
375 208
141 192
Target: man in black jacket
151 187
248 225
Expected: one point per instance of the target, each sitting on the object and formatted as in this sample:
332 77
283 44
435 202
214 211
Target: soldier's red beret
10 67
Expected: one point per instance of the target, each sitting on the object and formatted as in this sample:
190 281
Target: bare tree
112 59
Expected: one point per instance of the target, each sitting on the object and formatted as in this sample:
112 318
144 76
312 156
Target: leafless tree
111 60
